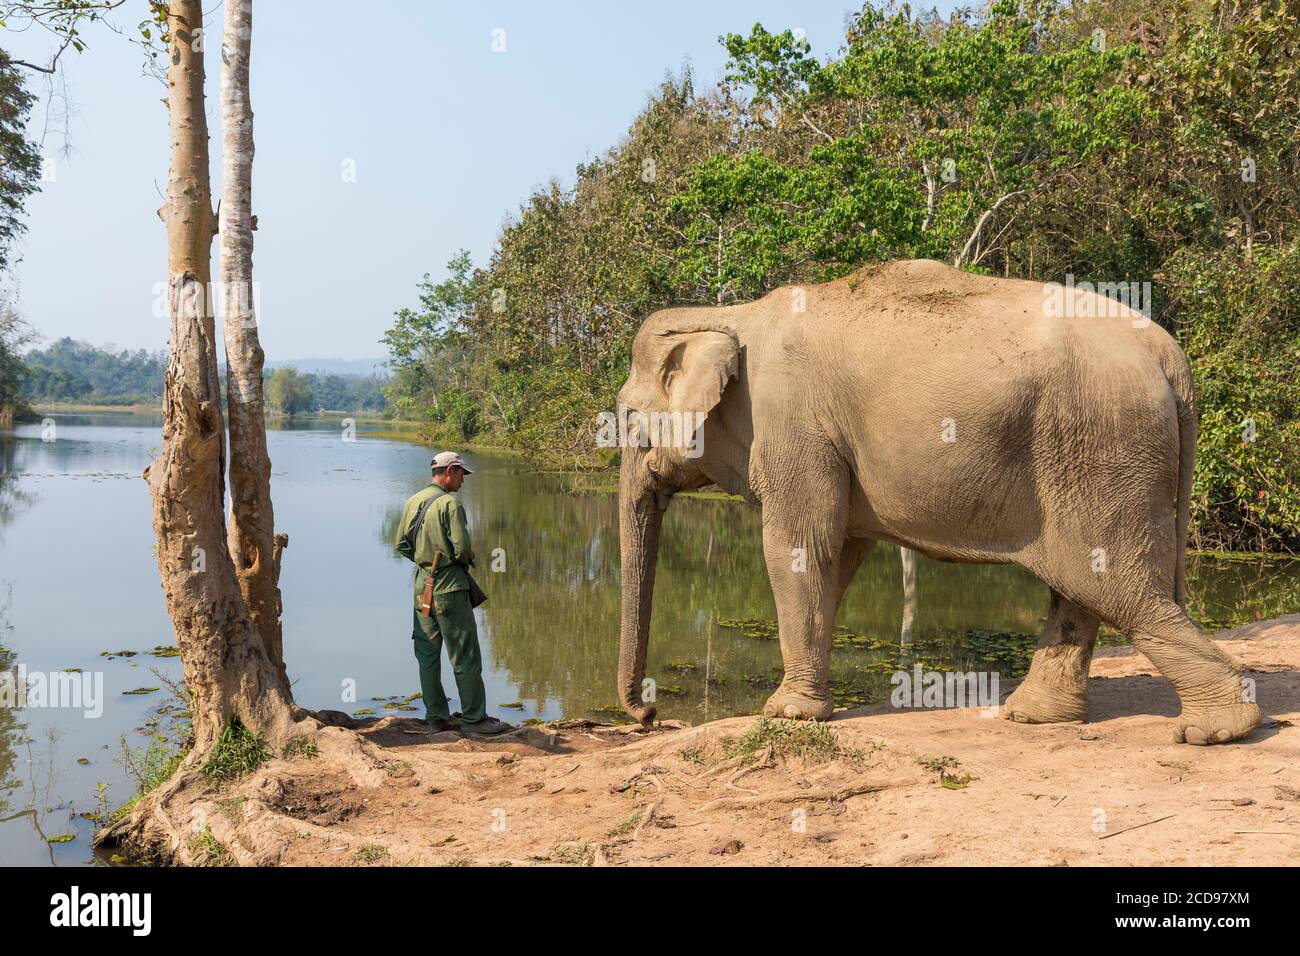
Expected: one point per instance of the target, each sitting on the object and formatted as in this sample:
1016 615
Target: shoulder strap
418 523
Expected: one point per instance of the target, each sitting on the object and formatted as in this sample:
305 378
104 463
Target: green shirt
445 529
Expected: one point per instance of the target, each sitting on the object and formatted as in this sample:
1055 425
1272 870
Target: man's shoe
488 725
438 725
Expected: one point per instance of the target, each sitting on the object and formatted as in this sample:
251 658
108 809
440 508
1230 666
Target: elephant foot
1216 724
796 706
1034 702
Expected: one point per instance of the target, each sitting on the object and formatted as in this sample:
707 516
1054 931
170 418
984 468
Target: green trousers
452 623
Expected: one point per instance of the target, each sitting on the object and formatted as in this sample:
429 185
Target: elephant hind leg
1056 688
1218 702
851 557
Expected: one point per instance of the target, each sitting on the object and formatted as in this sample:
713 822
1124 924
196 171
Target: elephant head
680 369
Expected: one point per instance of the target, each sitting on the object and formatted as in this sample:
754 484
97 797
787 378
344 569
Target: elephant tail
1182 386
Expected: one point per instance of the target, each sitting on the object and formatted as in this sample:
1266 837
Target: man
443 538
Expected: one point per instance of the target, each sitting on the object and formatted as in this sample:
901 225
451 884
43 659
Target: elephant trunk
640 517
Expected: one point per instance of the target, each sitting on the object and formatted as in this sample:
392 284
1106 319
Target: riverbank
873 786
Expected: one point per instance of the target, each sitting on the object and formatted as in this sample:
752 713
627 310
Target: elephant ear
699 359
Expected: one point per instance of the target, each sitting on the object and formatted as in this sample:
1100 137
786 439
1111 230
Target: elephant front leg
805 568
1056 688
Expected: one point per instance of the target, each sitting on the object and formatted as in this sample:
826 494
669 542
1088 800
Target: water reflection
13 499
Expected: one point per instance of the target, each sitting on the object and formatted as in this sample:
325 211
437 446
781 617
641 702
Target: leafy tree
289 393
20 158
14 334
427 345
347 393
69 370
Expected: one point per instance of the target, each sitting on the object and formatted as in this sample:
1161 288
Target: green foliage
625 827
14 334
1110 141
1243 317
369 853
346 393
71 371
154 763
289 392
237 751
20 170
207 851
301 746
946 767
429 356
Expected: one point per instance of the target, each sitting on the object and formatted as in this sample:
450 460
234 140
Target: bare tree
227 670
254 546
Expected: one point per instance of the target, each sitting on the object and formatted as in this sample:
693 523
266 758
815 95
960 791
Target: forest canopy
1107 141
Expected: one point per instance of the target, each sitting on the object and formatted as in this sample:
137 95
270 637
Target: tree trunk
254 547
227 670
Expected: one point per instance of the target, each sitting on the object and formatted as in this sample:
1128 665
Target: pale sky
447 136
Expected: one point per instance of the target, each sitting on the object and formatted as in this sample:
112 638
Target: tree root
162 825
765 761
647 817
720 767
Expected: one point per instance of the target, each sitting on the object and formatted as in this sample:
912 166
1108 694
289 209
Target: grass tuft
626 827
238 751
369 853
810 740
301 746
207 851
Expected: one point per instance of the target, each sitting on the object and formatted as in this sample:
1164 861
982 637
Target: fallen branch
1136 826
799 796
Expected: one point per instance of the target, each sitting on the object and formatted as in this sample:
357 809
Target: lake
78 579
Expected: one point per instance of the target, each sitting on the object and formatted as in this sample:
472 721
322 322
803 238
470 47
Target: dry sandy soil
1116 790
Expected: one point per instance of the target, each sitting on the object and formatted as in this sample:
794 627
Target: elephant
950 413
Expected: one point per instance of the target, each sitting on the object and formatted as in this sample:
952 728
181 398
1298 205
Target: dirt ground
1115 791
